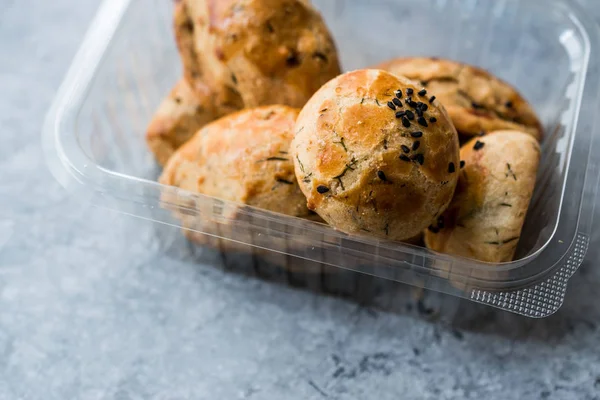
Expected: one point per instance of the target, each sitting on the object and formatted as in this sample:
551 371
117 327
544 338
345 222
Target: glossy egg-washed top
268 51
373 154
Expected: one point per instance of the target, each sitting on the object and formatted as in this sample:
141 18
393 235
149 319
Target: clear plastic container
548 49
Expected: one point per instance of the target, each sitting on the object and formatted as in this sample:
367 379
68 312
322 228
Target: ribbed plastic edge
543 299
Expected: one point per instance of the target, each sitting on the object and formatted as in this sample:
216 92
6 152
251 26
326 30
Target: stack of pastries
414 147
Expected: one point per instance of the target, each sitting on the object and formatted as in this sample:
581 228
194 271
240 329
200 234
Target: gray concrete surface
93 307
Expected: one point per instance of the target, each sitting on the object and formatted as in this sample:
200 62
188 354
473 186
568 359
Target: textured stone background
93 306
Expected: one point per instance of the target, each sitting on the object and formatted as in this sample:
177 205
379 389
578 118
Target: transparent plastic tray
548 49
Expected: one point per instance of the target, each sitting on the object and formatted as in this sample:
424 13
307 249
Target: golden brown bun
180 115
350 161
475 100
485 218
267 51
244 158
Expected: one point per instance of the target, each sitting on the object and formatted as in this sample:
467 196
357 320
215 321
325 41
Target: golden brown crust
180 115
243 158
266 51
487 213
361 169
475 100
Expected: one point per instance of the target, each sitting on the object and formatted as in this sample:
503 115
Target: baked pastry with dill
486 216
268 51
181 114
243 157
476 100
373 154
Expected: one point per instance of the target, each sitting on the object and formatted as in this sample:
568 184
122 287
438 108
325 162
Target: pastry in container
268 51
477 101
244 158
94 144
376 155
241 54
496 182
182 113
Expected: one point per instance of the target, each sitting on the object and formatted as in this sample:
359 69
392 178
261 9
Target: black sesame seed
416 145
478 145
381 175
397 102
419 112
423 92
188 26
400 114
420 158
509 104
404 158
422 121
391 105
405 149
399 94
462 164
422 106
293 60
413 104
433 120
274 159
431 99
410 115
322 189
405 122
409 91
451 168
433 229
416 134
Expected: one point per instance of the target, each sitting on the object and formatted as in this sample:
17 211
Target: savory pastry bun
268 51
243 157
485 218
181 114
374 153
476 101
